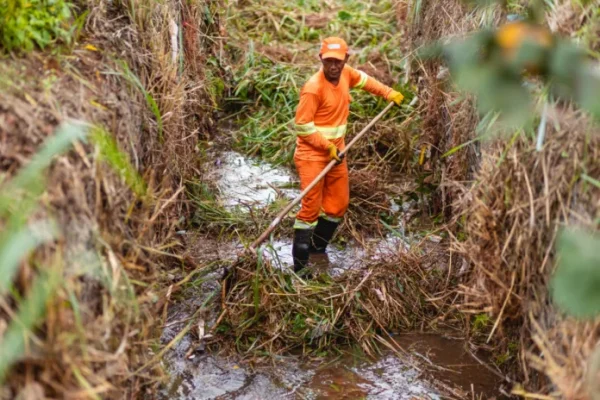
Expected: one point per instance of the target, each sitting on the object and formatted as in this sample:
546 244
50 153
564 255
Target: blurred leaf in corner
502 67
589 91
575 286
31 309
480 65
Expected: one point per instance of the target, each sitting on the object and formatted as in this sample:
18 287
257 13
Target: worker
320 126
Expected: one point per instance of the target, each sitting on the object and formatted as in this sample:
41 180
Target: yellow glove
333 152
396 97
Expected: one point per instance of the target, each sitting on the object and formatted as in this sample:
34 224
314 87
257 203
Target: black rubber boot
322 235
300 248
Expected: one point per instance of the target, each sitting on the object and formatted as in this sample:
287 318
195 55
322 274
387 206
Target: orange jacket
322 112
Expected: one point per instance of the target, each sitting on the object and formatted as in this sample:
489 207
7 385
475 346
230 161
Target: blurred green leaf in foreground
575 287
504 67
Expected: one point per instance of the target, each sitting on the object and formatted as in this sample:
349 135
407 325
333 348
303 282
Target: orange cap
334 47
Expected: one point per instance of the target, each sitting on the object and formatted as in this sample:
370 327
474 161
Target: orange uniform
321 119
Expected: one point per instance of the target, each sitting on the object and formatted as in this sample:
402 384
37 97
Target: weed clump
35 23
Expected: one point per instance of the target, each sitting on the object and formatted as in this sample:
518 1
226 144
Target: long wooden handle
329 166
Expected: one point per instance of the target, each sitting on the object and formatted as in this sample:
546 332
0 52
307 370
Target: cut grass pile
269 311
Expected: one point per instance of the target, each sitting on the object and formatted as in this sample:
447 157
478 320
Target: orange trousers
329 198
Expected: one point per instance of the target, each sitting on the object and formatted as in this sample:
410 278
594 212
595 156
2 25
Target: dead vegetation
268 311
124 79
507 220
512 217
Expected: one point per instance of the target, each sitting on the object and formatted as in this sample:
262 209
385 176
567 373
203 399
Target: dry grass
509 201
512 217
93 341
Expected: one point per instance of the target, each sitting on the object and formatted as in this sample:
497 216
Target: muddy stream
198 374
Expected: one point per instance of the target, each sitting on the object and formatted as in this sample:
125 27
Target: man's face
332 67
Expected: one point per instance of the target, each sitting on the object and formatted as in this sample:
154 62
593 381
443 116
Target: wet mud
208 376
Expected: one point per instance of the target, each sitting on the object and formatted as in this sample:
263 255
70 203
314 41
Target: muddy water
453 363
196 373
208 376
337 260
243 181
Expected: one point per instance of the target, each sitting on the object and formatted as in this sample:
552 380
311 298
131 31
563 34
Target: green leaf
575 287
460 146
589 87
344 15
591 180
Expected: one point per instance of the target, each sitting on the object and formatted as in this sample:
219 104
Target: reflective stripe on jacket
322 113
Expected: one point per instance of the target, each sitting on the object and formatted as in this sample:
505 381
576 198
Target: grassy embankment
512 196
99 119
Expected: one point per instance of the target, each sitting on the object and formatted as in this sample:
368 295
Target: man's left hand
396 97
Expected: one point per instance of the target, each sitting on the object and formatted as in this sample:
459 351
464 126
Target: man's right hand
334 153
